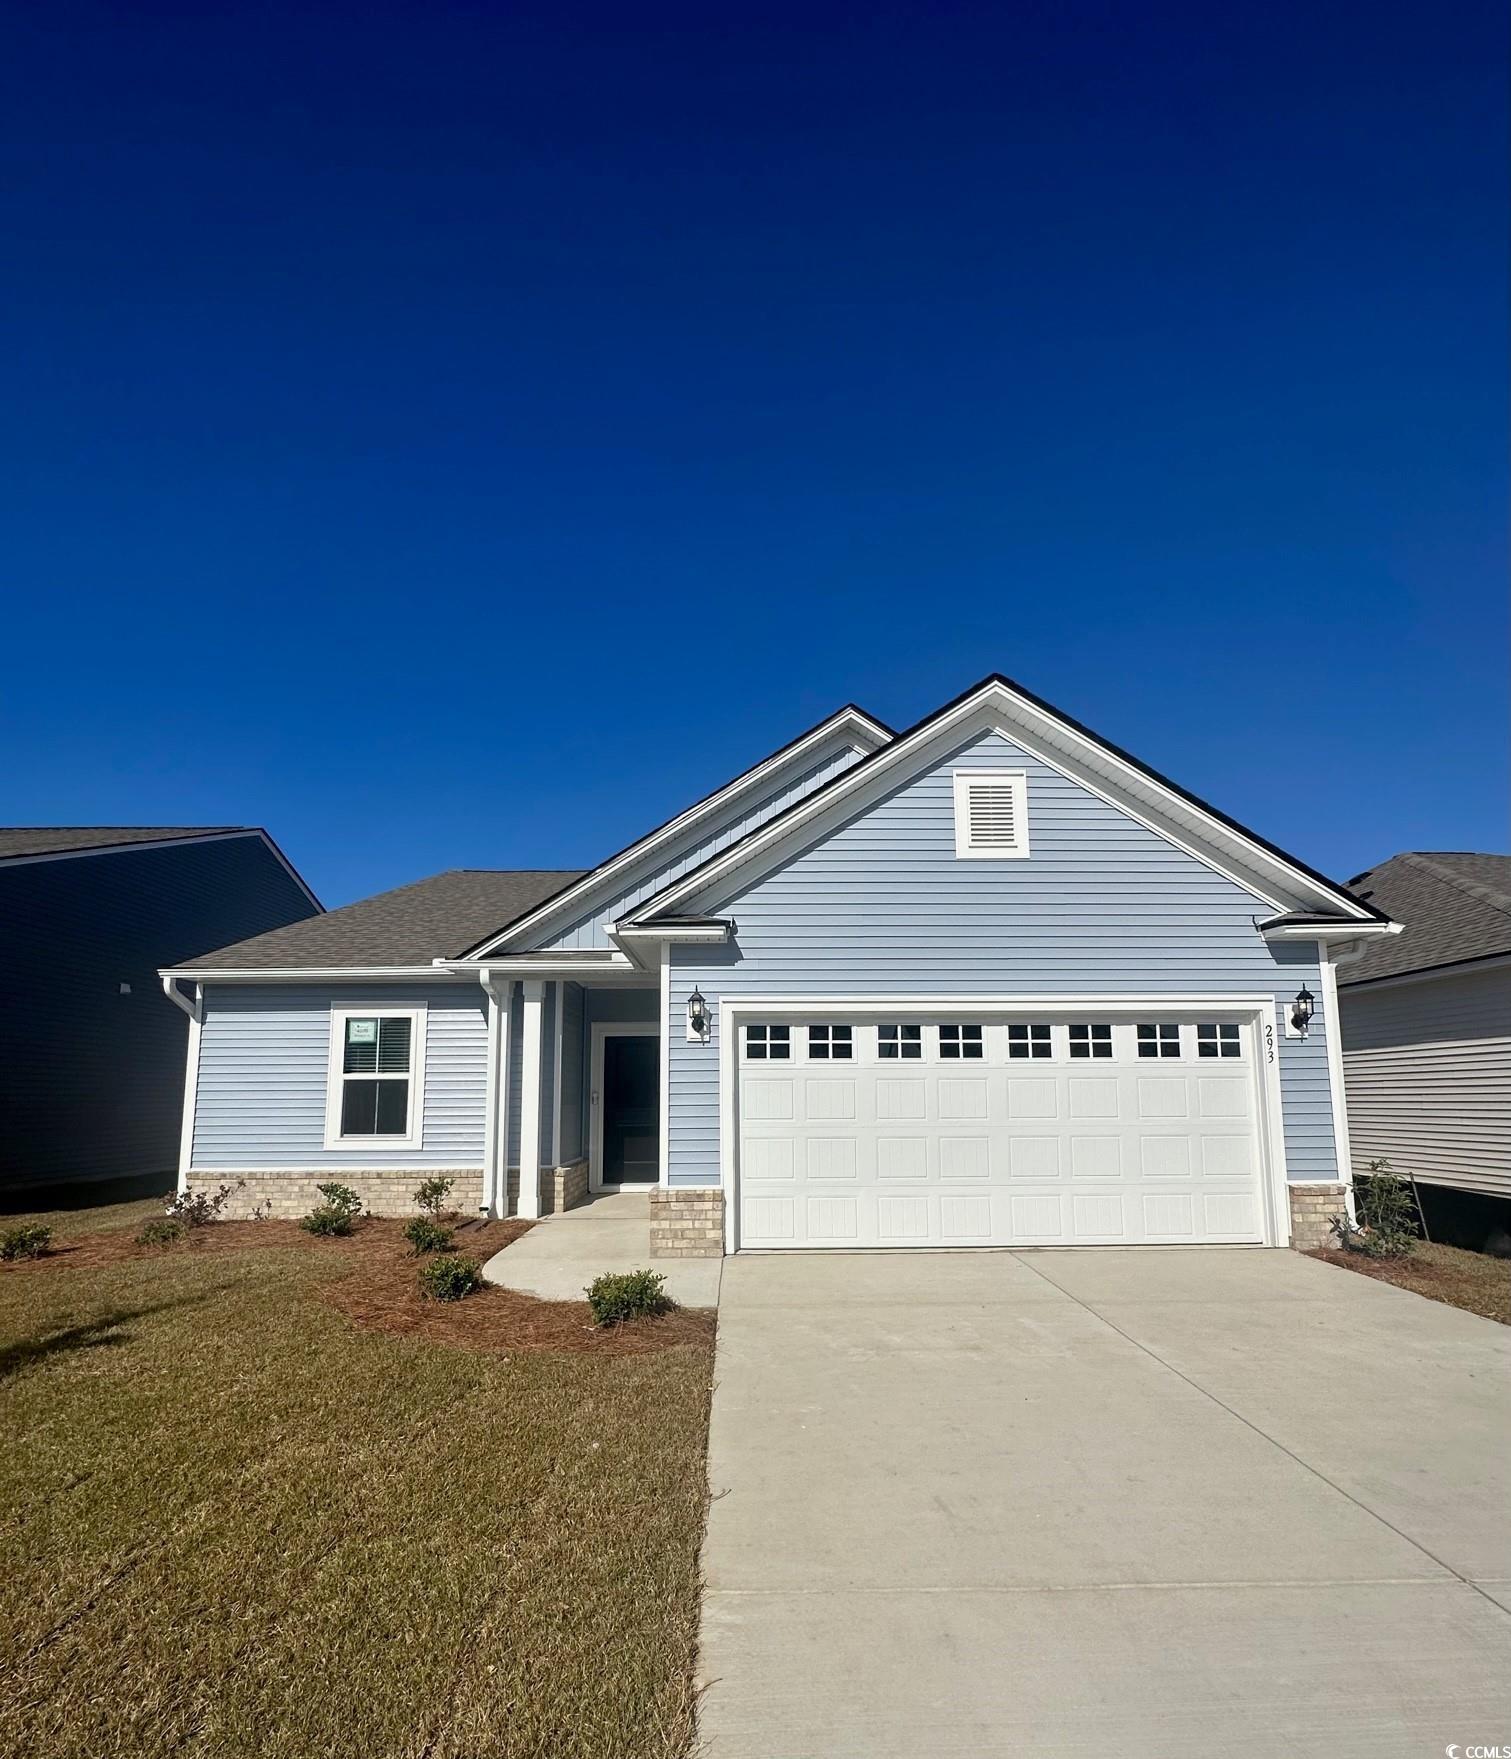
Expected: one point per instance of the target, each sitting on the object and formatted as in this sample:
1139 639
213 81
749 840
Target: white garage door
997 1129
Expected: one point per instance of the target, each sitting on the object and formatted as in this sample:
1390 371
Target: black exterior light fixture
1301 1009
697 1015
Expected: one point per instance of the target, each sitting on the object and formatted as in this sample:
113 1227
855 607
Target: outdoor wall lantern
697 1016
1301 1009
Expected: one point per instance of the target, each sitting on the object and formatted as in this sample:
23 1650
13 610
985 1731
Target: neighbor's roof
69 839
436 918
1455 905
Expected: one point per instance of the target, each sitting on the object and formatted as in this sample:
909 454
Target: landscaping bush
425 1235
30 1240
164 1231
617 1296
341 1208
449 1278
1386 1208
197 1209
430 1196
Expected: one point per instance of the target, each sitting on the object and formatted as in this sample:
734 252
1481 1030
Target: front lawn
1471 1280
256 1499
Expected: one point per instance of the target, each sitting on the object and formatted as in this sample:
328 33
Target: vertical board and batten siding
647 878
882 905
264 1064
573 1080
93 1083
1427 1069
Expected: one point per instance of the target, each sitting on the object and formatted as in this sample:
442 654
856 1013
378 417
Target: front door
631 1110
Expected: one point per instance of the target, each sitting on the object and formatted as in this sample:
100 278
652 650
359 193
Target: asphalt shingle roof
66 839
435 918
1456 905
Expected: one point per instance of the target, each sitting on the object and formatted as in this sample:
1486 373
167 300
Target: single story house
987 981
93 1056
1427 1033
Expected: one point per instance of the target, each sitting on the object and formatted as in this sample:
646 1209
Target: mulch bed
380 1288
1471 1280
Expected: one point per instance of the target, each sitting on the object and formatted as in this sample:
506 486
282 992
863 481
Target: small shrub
1386 1210
30 1240
430 1196
425 1235
341 1208
164 1231
197 1209
617 1296
449 1278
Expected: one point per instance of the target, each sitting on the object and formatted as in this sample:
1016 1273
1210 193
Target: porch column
496 1106
529 1099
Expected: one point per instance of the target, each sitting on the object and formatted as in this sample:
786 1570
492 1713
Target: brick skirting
290 1195
1312 1208
687 1223
566 1187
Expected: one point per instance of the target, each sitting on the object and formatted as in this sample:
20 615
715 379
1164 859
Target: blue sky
461 435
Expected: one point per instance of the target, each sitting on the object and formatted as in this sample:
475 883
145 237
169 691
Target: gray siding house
1427 1024
93 1052
986 981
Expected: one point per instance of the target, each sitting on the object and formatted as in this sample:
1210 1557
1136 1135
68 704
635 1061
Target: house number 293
1269 1041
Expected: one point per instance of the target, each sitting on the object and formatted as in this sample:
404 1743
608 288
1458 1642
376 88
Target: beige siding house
1427 1023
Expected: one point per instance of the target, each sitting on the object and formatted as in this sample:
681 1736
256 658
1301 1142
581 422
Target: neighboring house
92 1053
988 981
1427 1024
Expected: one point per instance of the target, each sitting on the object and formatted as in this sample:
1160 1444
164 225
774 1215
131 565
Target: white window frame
336 1078
788 1046
1017 850
1162 1030
823 1050
958 1053
1092 1054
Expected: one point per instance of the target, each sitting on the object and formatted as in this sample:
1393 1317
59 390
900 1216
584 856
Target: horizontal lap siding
263 1065
589 930
883 906
1427 1067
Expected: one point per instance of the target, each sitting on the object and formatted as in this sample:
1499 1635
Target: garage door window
896 1043
1031 1039
1161 1040
957 1042
1090 1040
1217 1041
768 1043
829 1044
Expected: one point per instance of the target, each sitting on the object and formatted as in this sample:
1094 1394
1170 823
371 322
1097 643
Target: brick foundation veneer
1312 1207
687 1223
565 1188
291 1195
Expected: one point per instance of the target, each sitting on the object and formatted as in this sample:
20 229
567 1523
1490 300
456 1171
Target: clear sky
461 435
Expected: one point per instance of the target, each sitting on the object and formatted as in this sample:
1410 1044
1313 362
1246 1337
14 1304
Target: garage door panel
1031 1097
1096 1157
964 1159
1093 1096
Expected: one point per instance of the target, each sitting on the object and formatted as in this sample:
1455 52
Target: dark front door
631 1110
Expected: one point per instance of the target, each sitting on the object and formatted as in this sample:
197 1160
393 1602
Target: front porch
609 1231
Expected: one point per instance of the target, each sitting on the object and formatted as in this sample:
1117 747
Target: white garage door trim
1259 1012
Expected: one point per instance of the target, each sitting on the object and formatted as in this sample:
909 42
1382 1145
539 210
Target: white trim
505 1096
328 1168
1258 1011
556 1012
602 966
701 932
1345 931
664 1146
191 1092
140 846
600 876
1332 1038
529 1101
320 974
414 1120
1029 726
492 1203
604 1029
965 849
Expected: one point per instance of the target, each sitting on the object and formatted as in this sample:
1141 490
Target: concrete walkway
562 1254
1156 1504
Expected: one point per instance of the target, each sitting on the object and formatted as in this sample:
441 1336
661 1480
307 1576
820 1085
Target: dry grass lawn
248 1506
1471 1280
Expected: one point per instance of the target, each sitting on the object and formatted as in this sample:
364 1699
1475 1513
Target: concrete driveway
1158 1503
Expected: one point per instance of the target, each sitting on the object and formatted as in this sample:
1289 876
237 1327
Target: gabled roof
865 729
32 840
1456 906
1058 739
430 919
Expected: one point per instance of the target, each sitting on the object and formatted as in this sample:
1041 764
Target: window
829 1044
1159 1041
905 1042
1217 1041
375 1062
991 815
956 1042
768 1043
1028 1040
1091 1041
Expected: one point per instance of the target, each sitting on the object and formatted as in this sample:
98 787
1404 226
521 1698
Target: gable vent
991 815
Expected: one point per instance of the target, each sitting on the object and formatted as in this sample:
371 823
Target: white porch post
529 1100
495 1200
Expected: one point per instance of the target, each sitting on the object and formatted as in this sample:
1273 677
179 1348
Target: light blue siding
660 870
263 1064
573 1075
883 905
